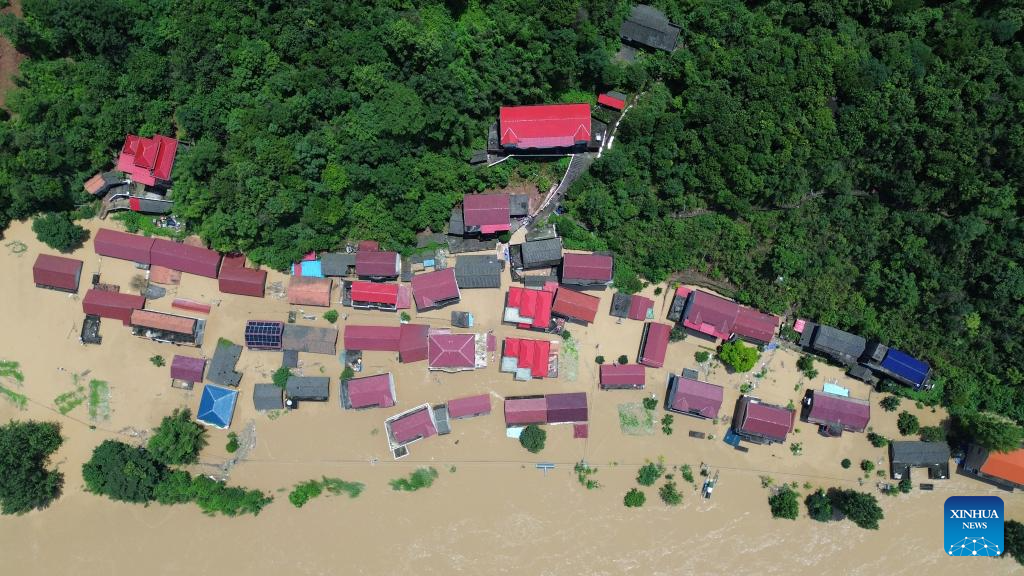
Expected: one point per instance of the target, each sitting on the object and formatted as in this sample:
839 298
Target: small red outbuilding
112 304
57 273
243 281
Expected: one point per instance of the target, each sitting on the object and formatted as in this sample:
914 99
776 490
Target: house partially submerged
526 358
435 289
934 456
308 388
366 295
715 318
116 305
526 410
485 214
337 264
469 406
369 392
310 339
649 28
632 306
123 246
217 406
536 254
622 377
264 335
898 365
654 344
529 309
835 413
185 258
587 271
575 306
267 397
762 423
408 340
169 328
1002 469
242 281
412 426
833 343
694 398
57 273
310 291
566 408
378 265
478 271
552 128
456 352
187 369
222 366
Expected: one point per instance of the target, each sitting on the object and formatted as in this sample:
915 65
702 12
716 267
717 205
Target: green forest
857 162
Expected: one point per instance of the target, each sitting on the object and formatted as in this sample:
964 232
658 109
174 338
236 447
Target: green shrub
677 334
906 485
738 356
281 376
687 473
860 508
304 492
785 503
178 439
331 316
533 438
419 479
232 445
669 494
623 359
650 403
157 361
877 440
348 373
890 403
933 434
405 316
867 465
634 498
599 359
907 423
649 474
846 463
701 356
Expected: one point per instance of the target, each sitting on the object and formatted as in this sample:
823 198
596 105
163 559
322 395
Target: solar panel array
262 335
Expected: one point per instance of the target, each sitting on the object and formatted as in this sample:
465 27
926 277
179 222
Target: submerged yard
635 420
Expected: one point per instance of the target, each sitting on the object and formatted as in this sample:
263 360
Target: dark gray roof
620 305
222 366
337 263
460 245
309 339
308 387
519 205
149 206
618 95
542 252
538 280
648 26
919 453
456 224
290 359
478 271
267 397
838 343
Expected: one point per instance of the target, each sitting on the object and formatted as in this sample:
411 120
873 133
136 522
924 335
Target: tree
907 423
806 365
634 498
877 440
178 439
1013 538
232 445
122 472
348 373
599 359
785 503
56 230
623 359
846 463
281 376
739 357
890 403
331 316
669 494
867 465
677 334
701 356
25 449
650 403
993 432
905 485
533 438
649 474
861 508
933 434
157 361
819 507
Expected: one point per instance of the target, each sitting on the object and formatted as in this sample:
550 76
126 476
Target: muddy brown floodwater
490 511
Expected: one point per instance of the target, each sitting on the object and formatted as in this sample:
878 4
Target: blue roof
216 406
906 366
311 268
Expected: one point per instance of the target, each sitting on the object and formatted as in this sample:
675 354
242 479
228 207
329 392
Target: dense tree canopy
25 449
178 439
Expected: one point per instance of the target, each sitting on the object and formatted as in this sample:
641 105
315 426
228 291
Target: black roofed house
931 455
478 271
833 343
648 27
222 366
308 388
267 397
519 205
537 254
338 264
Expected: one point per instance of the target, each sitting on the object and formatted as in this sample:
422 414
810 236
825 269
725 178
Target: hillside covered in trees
857 161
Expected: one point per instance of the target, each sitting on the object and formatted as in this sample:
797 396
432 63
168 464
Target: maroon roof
622 376
187 368
591 267
451 350
568 407
368 245
766 420
575 305
522 411
830 409
243 281
112 304
434 287
373 263
413 426
371 391
638 307
373 338
486 209
232 261
755 325
710 314
57 271
122 245
690 395
469 406
412 342
191 259
655 344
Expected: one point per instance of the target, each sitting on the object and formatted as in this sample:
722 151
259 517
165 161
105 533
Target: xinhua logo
974 526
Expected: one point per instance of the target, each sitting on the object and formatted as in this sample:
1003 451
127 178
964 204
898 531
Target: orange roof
160 321
1005 465
309 291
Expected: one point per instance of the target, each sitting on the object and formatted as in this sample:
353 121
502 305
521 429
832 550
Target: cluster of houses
141 178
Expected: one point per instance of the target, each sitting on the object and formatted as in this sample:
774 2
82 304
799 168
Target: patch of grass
19 400
11 369
584 473
275 414
338 486
421 478
68 401
634 420
99 400
310 489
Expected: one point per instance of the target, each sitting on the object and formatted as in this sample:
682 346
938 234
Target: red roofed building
242 281
413 426
373 338
837 413
486 213
469 406
654 344
435 289
1004 469
528 309
545 127
310 291
622 376
368 245
187 369
57 273
693 397
451 352
711 316
122 245
522 354
376 295
524 411
613 100
639 306
148 160
762 423
190 259
412 342
755 326
112 304
566 407
378 265
575 305
161 321
369 392
587 270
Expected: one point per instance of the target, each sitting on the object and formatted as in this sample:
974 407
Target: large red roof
451 351
711 315
567 407
1008 466
178 256
161 321
412 426
147 160
547 126
371 391
469 406
412 342
575 305
655 344
755 325
522 411
622 376
492 210
638 307
376 292
830 409
532 354
111 304
375 263
122 245
694 395
767 420
589 267
373 338
434 287
57 271
309 291
535 304
243 281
